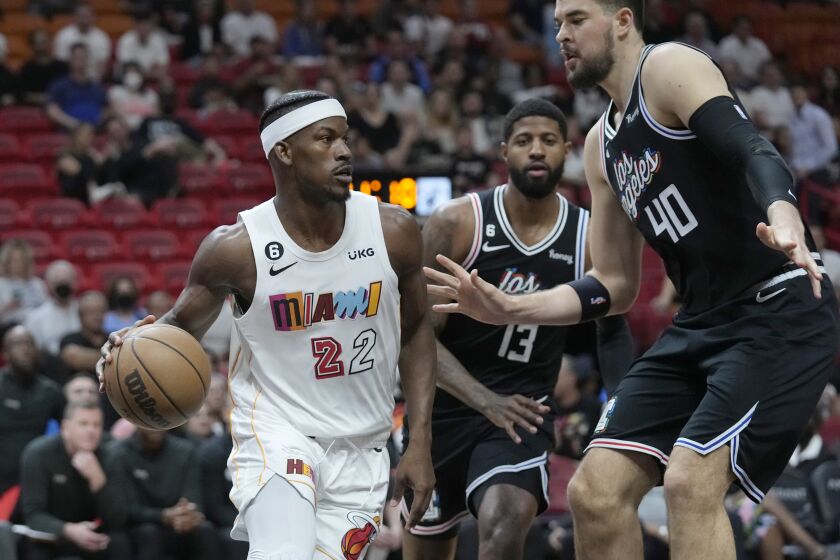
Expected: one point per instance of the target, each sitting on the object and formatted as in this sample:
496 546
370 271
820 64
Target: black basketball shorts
470 455
746 374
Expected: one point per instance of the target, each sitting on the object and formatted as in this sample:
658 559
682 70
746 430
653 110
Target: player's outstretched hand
472 296
515 410
415 471
115 339
791 242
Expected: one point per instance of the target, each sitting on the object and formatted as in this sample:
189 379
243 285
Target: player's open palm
791 242
472 295
115 339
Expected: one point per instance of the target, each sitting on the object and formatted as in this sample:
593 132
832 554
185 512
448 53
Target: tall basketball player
329 300
492 423
725 392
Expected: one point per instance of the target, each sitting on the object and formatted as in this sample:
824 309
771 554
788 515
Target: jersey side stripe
672 133
477 234
603 147
580 255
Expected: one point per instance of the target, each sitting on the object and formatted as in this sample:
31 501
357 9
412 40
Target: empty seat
253 179
27 180
225 210
10 149
191 241
199 181
58 213
180 213
45 147
230 122
24 119
151 245
90 245
121 213
9 214
43 248
173 276
103 273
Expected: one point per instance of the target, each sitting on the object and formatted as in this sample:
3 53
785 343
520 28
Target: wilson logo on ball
134 384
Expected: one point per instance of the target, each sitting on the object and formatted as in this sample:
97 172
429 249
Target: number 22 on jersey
327 353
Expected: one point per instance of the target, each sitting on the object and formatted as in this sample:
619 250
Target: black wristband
594 298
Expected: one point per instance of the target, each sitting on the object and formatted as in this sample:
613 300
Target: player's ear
283 151
624 22
503 147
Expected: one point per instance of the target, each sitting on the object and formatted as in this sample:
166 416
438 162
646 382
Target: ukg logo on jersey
298 310
633 176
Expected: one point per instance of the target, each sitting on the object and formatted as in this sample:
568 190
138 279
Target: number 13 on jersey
327 353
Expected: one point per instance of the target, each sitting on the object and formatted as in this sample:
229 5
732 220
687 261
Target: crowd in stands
426 85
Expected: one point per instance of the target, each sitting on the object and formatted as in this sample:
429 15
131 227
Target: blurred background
128 130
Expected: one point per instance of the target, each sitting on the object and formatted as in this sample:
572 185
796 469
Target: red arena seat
121 213
151 245
103 273
43 248
180 213
90 245
58 213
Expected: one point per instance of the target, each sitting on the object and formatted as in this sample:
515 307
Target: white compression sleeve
281 523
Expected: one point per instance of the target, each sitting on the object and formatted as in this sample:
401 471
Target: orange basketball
158 377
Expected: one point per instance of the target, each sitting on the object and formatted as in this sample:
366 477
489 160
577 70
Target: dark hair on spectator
73 406
288 102
740 18
78 45
535 108
636 6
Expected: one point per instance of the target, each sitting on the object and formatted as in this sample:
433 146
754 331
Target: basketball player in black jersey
492 419
725 392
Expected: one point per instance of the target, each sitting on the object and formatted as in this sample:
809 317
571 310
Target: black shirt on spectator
76 186
24 413
383 137
215 479
35 77
53 492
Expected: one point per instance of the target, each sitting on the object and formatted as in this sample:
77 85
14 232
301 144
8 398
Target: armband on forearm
724 128
594 298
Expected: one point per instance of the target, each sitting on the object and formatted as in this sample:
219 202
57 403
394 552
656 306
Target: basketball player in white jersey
329 300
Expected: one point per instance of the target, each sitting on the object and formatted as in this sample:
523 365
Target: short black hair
535 107
73 406
636 6
288 102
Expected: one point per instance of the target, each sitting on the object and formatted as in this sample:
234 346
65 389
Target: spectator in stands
21 290
216 480
161 141
526 19
304 36
77 165
399 95
158 303
660 21
697 34
146 46
381 128
80 349
165 497
829 90
475 118
254 74
470 168
40 71
437 140
76 98
133 99
59 315
82 387
123 310
210 78
348 34
8 80
70 489
217 401
203 33
51 8
239 26
577 410
83 31
28 401
732 73
770 101
397 48
749 52
427 28
119 163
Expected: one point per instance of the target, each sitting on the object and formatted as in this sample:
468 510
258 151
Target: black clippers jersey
512 359
698 216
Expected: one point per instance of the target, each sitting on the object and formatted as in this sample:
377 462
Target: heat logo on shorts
354 541
299 310
297 466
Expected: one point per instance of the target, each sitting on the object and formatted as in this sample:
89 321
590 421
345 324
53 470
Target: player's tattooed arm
417 357
449 231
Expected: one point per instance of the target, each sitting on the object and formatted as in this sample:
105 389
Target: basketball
158 377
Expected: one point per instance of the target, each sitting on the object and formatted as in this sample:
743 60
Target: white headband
298 119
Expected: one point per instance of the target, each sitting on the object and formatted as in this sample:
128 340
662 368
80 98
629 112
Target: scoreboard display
417 194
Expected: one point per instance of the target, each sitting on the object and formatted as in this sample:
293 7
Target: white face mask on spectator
133 80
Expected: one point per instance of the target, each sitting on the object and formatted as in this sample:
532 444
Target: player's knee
684 491
587 498
500 524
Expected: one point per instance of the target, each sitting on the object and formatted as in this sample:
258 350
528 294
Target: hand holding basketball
115 339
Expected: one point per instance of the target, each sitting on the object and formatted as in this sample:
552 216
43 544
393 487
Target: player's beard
536 188
590 74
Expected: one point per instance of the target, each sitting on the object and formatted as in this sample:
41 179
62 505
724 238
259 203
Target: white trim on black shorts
425 530
623 445
722 439
539 461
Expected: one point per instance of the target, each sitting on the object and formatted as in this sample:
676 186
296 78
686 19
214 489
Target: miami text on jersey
299 310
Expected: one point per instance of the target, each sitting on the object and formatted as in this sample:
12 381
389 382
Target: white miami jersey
317 349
